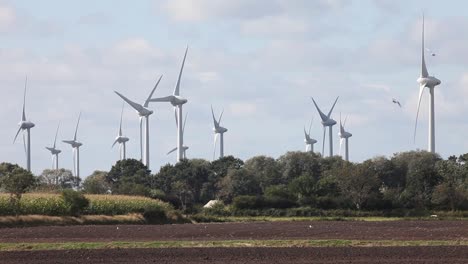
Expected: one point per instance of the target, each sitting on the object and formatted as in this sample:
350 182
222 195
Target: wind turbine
308 140
76 149
54 151
327 122
143 112
218 130
177 101
184 148
427 81
344 136
121 139
25 125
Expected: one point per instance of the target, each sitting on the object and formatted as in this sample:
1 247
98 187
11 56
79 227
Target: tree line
407 180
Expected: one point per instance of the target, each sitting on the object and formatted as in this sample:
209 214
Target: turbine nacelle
175 100
329 122
121 139
26 124
310 141
220 130
428 81
73 143
345 134
144 112
54 151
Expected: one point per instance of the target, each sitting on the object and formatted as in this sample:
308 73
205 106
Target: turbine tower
327 122
54 151
308 140
121 139
25 125
344 136
218 130
76 149
430 82
184 148
143 112
177 101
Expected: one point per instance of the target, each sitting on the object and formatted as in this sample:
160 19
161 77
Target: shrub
247 202
155 215
75 201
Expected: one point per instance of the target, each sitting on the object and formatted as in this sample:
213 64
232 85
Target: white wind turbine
218 130
76 149
177 102
308 140
121 139
25 125
344 136
327 122
54 151
427 81
143 112
184 148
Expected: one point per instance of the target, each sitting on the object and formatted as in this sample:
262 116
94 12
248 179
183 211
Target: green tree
58 179
129 176
265 169
221 166
96 183
295 164
238 182
16 182
452 192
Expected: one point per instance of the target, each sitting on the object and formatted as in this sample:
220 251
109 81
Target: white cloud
7 18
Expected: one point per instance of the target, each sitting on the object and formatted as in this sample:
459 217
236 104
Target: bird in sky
395 101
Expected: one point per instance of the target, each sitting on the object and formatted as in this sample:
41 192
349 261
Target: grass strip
228 243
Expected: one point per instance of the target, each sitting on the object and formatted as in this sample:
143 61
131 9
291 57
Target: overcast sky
259 60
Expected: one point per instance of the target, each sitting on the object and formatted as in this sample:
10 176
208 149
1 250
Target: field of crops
54 205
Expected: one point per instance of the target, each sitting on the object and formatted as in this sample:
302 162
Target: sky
261 61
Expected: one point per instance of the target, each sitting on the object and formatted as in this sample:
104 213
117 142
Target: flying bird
431 52
395 101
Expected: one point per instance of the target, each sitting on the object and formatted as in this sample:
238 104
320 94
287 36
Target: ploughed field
210 243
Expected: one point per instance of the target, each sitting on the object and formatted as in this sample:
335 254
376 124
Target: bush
247 202
75 201
155 215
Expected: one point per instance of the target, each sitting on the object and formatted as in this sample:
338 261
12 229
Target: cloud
7 18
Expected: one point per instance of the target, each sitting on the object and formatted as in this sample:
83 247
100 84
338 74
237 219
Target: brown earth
452 255
352 230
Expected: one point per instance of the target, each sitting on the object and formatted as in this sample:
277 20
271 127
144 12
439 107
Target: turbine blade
185 121
141 138
152 91
121 117
172 150
24 145
310 127
77 124
220 116
424 72
56 133
23 117
323 143
162 99
115 142
214 148
305 134
322 115
421 91
341 126
17 133
331 110
177 88
137 107
176 119
214 118
341 143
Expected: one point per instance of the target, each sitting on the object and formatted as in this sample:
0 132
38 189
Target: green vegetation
227 243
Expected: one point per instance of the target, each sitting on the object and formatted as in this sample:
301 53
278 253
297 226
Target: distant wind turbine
177 101
344 136
143 112
121 139
327 122
430 82
184 148
308 140
76 149
25 125
218 130
54 151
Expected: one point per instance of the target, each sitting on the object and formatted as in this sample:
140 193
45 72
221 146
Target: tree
238 182
221 166
16 182
96 183
452 192
129 176
59 179
304 188
295 164
265 169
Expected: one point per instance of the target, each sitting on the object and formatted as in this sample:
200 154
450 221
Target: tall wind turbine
143 112
308 140
427 81
218 130
184 148
25 125
121 139
344 136
76 149
327 122
54 151
177 101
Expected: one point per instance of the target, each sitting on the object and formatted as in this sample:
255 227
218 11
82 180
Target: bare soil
352 230
453 255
